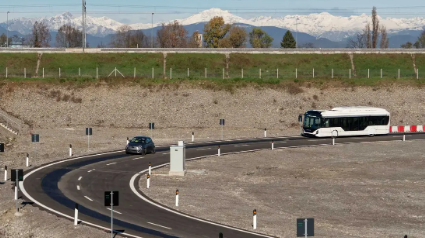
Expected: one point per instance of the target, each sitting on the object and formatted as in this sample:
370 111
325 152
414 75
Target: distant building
199 40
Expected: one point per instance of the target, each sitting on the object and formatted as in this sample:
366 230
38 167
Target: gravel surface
60 114
355 190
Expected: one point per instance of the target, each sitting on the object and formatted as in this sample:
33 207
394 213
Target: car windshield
138 140
312 122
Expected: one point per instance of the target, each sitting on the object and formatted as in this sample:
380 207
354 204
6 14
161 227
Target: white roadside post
404 137
25 72
171 73
97 72
398 74
59 72
334 133
296 73
305 228
150 168
27 161
5 174
16 187
127 140
134 72
70 150
265 132
254 219
148 181
368 74
272 145
260 73
177 198
76 215
43 72
193 136
218 151
313 72
277 74
188 73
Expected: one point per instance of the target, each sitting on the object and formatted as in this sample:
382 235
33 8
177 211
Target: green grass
274 68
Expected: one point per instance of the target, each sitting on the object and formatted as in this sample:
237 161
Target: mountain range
322 29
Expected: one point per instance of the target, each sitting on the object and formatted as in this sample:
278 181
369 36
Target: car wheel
153 150
144 151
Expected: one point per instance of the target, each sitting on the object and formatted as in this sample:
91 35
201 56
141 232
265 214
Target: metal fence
211 73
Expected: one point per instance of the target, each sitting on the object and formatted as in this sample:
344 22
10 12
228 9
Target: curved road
59 185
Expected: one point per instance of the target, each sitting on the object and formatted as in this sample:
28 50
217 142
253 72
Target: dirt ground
60 114
355 190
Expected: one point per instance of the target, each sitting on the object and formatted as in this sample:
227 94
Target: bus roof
355 111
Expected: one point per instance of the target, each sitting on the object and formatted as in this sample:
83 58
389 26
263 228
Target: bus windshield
312 121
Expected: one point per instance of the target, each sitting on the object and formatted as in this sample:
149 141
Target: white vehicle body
346 121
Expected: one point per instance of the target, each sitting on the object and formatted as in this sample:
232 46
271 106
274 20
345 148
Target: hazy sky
132 11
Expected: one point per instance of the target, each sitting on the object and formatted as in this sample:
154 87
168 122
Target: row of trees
420 43
217 34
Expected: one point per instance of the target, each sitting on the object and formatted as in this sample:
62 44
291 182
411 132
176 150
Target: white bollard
368 74
25 72
177 198
404 137
59 72
265 132
296 73
76 215
28 160
313 72
70 150
254 219
43 72
150 168
260 73
171 73
333 140
5 174
277 74
127 141
218 151
272 145
97 73
242 73
148 181
193 136
16 192
6 72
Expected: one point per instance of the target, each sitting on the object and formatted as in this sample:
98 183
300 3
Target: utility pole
7 40
83 17
296 34
152 32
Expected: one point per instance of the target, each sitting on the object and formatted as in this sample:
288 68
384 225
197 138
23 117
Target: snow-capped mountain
320 25
97 26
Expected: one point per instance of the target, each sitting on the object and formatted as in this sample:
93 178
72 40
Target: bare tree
375 28
173 35
69 37
40 36
358 41
121 39
384 38
367 35
138 39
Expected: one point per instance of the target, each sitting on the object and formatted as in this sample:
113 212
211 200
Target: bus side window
326 122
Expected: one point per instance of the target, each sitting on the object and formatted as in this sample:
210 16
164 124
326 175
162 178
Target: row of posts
206 73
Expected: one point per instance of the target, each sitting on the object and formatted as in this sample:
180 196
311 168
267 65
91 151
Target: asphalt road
84 181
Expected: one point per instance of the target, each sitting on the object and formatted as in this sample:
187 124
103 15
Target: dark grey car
140 145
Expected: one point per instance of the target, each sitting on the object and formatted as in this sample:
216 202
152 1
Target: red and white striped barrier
402 129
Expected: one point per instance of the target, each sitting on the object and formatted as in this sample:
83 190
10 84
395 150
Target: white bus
346 121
